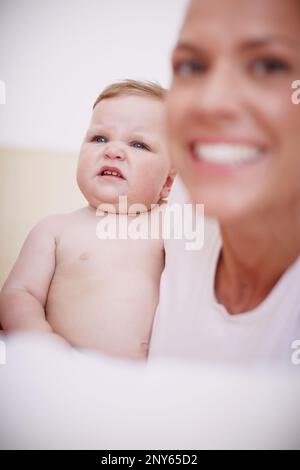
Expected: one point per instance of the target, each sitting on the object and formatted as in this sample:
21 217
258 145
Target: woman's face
234 132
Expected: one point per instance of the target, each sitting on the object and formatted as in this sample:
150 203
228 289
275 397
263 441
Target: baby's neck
139 209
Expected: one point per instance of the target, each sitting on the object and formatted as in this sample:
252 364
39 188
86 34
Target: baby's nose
114 151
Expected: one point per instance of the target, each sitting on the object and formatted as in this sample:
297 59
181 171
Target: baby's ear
168 184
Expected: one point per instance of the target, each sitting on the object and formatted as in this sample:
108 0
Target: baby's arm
24 294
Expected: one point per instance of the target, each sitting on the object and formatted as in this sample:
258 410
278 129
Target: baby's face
124 152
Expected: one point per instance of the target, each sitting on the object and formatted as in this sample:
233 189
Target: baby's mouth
111 172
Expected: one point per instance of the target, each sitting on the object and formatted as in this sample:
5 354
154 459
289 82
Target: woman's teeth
226 153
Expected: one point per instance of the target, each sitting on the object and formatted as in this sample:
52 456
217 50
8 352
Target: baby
100 293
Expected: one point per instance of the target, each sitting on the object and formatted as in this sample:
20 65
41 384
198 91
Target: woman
234 136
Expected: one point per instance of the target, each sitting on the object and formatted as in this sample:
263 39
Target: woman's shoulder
207 228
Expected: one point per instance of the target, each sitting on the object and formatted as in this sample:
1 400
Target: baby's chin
122 204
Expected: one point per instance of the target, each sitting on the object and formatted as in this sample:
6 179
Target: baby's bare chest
82 252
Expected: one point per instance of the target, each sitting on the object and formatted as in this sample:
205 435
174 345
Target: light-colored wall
57 55
33 184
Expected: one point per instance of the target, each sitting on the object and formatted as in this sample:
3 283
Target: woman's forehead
241 18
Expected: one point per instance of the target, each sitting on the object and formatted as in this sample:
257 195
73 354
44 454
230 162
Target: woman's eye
189 67
100 139
140 145
269 66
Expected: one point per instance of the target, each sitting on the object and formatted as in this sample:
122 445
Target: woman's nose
114 151
219 95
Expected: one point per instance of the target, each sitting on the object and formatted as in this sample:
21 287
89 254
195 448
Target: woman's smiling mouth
224 155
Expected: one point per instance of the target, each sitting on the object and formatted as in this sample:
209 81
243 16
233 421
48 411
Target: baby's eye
269 66
100 139
186 68
140 145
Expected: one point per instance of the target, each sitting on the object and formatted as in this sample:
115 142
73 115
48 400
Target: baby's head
124 152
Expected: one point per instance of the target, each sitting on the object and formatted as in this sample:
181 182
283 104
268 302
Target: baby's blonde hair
132 87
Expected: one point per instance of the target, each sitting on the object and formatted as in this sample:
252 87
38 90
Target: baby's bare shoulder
54 224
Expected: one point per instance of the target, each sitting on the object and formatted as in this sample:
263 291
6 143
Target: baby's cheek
86 162
81 170
155 185
154 175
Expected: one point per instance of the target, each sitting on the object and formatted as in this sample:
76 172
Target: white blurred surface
52 397
57 55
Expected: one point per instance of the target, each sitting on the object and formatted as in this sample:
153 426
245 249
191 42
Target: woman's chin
225 207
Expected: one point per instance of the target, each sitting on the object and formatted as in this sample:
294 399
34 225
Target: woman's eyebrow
248 44
268 40
186 46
